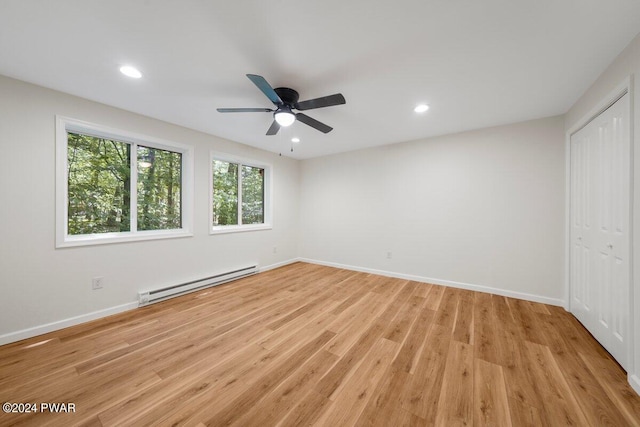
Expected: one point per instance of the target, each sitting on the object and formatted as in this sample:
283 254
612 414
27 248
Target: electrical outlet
275 249
97 283
389 255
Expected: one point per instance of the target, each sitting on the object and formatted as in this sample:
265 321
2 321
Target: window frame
64 239
268 194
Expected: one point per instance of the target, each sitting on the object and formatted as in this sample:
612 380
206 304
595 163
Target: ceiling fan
286 100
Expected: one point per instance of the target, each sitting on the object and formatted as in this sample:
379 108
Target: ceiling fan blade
265 87
325 101
275 127
313 123
244 110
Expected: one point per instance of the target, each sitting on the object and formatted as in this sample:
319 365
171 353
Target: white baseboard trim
634 382
467 286
278 265
65 323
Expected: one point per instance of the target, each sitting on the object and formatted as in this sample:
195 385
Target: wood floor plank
328 384
358 291
538 308
387 286
113 386
239 406
423 393
350 401
490 401
446 312
559 402
485 338
312 323
282 400
463 327
614 382
400 325
577 335
508 335
59 356
525 415
129 383
527 321
593 399
312 345
369 301
204 390
174 354
314 327
434 298
522 386
392 310
367 313
385 404
510 353
307 411
408 355
317 300
206 383
455 405
422 290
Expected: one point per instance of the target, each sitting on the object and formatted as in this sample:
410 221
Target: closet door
600 179
582 201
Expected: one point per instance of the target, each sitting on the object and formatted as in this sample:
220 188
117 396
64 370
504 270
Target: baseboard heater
149 297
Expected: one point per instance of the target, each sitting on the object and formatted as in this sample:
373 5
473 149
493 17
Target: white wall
481 209
626 65
40 284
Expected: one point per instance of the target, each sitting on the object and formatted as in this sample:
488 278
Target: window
114 186
240 194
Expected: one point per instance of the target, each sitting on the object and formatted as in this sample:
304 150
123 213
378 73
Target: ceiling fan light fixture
284 116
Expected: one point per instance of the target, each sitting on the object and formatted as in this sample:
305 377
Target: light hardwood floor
313 345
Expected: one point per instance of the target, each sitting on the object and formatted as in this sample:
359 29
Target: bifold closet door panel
600 203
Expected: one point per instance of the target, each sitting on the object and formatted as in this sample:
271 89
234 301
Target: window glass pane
159 189
98 185
225 193
252 195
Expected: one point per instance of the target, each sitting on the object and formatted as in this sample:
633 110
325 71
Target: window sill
109 238
223 229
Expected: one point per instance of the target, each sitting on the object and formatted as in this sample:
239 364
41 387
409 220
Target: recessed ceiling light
421 108
294 139
130 71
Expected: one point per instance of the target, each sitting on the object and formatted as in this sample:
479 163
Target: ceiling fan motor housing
288 95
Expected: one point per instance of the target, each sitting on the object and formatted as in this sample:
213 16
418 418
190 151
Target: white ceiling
477 63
